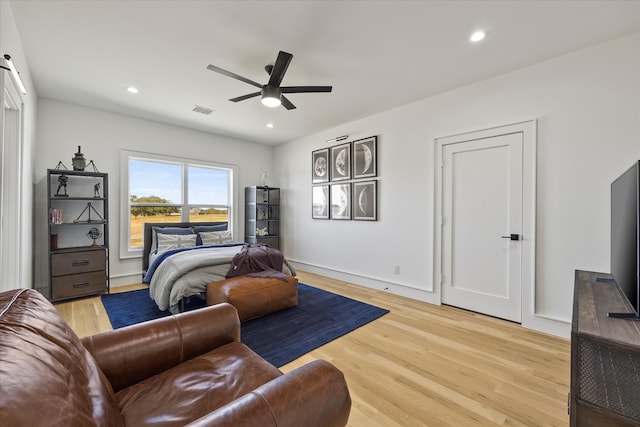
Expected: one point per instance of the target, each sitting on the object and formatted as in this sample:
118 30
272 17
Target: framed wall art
341 201
365 158
365 200
320 166
341 162
320 202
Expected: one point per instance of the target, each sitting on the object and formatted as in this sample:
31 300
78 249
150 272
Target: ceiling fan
272 92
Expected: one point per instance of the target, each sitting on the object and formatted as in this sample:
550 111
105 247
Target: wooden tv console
605 356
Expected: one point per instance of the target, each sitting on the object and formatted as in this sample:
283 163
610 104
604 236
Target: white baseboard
540 323
547 325
125 279
400 289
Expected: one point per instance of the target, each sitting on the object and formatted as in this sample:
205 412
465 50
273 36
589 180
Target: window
164 189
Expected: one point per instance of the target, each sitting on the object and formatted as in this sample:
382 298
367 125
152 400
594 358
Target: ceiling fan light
270 101
271 96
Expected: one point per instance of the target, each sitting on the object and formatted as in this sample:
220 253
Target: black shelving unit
262 216
78 233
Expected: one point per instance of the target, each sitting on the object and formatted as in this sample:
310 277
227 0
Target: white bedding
188 273
185 274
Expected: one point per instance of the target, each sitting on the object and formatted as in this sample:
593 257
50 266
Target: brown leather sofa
188 369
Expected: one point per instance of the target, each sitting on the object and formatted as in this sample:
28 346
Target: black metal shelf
81 197
262 201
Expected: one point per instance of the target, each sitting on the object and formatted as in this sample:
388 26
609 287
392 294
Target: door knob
512 237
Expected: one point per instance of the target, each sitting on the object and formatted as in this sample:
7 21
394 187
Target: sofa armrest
131 354
314 395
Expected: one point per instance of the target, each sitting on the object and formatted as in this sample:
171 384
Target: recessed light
132 89
269 125
477 36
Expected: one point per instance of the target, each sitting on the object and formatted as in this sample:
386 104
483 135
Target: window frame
125 204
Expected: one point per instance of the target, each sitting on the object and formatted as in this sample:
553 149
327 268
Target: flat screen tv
625 237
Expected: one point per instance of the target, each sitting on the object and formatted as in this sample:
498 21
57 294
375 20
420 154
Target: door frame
13 271
529 153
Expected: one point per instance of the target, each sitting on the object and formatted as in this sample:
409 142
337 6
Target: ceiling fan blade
232 75
305 89
286 103
279 68
243 97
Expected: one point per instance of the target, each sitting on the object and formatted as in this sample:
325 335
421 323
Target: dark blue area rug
129 308
279 338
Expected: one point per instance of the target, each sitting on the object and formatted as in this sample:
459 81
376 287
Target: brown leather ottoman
254 296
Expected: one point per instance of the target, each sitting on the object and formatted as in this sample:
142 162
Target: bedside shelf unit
262 216
78 207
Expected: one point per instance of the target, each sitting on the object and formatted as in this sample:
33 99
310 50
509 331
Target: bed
181 259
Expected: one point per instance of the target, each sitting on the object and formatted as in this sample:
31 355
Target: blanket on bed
257 261
162 256
186 273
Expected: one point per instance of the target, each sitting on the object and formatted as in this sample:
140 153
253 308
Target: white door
482 210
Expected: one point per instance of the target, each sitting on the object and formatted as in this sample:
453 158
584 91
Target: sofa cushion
46 375
188 391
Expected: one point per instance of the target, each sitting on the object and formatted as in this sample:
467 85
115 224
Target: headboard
148 228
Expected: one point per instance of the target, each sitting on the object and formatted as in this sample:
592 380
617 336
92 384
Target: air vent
202 110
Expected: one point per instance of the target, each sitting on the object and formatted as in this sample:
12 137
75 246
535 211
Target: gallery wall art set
343 181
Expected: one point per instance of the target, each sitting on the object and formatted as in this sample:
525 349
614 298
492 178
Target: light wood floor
424 365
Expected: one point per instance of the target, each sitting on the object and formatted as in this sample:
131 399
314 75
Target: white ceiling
378 55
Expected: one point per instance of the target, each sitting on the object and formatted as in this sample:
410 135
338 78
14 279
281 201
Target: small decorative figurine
87 210
96 191
78 161
94 234
62 185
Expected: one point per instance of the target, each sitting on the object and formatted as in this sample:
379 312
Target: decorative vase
79 161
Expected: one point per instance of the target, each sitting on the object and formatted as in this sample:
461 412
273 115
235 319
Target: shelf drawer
75 285
78 262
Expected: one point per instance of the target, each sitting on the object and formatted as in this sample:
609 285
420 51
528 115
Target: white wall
62 127
588 109
10 44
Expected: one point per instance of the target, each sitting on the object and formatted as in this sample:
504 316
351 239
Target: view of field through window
175 192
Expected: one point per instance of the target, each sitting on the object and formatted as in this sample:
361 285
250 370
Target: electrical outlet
396 269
